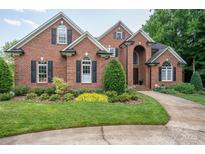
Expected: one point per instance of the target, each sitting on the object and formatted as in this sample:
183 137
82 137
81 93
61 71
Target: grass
18 117
198 98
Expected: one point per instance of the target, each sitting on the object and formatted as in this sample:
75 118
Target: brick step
141 88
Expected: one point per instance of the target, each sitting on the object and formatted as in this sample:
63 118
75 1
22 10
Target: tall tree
8 57
184 30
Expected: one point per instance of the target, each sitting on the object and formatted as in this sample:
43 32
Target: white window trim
46 73
120 34
113 55
66 39
166 73
90 71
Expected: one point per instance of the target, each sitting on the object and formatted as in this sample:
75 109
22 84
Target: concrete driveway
187 126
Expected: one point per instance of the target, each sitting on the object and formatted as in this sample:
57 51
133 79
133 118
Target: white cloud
30 22
12 22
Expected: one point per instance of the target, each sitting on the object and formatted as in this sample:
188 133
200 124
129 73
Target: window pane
42 71
169 74
163 74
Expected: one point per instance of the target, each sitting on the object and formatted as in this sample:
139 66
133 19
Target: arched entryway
138 65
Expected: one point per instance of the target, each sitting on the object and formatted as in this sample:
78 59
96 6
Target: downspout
127 64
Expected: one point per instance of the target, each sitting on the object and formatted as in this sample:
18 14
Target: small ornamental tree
196 81
6 80
114 77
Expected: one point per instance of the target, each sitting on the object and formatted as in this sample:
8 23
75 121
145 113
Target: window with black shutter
53 35
174 74
33 71
160 74
78 71
69 33
94 71
50 71
116 52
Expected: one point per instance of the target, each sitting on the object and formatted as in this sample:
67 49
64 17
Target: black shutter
69 33
123 35
94 71
114 35
78 71
50 71
33 71
53 36
116 52
160 74
174 74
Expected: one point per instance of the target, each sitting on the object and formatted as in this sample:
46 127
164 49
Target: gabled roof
161 51
82 37
114 26
43 27
143 33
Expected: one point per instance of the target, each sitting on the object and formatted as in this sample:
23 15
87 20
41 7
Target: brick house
60 48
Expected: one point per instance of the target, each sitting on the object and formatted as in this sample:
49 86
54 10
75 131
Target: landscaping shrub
114 77
31 96
202 92
68 97
125 97
196 81
6 80
165 90
60 86
54 97
185 88
44 96
5 96
50 91
81 91
39 90
92 97
20 90
112 95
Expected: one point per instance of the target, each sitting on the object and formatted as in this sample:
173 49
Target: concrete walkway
187 126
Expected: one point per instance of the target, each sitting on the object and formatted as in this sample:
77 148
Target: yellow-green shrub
92 97
60 86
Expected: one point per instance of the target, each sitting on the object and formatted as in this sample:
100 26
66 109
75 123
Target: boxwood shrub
196 81
20 90
5 96
114 77
6 80
185 88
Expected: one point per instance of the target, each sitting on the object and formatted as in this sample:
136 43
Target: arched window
136 58
86 70
61 34
167 71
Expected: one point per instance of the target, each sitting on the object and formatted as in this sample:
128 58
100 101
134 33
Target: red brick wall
85 46
161 60
139 40
108 39
38 47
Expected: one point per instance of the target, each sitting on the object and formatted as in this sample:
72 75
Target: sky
15 24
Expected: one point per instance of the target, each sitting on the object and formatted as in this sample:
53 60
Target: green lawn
193 97
17 117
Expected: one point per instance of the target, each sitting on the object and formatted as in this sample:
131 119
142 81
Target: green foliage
114 77
124 97
44 96
55 97
185 88
7 56
165 90
5 96
92 98
60 86
184 30
6 80
68 97
81 91
20 90
196 81
31 96
50 91
39 90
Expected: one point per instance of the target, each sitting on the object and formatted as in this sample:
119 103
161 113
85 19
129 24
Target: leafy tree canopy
184 30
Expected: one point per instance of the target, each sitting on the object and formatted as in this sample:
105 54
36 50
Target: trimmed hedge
20 90
92 98
5 96
6 80
185 88
196 81
114 77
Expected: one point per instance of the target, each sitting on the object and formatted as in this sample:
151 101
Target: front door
135 76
